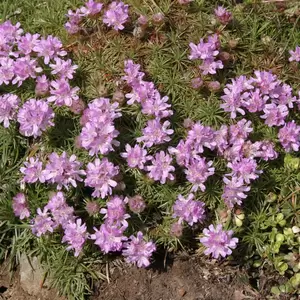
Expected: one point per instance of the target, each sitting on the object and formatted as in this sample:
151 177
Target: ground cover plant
133 128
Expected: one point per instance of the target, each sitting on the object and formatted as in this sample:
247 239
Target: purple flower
235 94
197 173
255 101
156 133
98 134
221 139
49 48
63 170
161 168
27 42
203 50
20 206
144 92
201 136
32 170
234 191
61 212
295 55
100 111
136 157
99 175
223 15
265 81
210 66
218 241
115 213
6 69
91 8
98 139
266 151
136 204
289 136
75 17
133 75
245 169
183 153
25 67
63 68
42 223
62 93
42 85
116 15
138 251
109 238
35 117
157 106
75 235
9 103
275 114
189 210
240 131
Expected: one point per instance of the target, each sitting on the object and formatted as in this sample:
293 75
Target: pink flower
62 93
35 117
20 206
9 104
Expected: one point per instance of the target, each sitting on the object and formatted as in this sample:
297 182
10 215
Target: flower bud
214 86
196 83
92 207
158 18
176 230
136 204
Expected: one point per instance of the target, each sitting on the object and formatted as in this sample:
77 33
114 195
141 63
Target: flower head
20 206
75 234
116 15
161 167
99 175
9 103
223 15
35 117
136 157
218 241
197 173
32 170
63 170
138 251
109 238
189 210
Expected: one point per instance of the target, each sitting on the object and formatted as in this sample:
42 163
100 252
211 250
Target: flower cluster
218 241
60 169
262 93
207 52
223 15
20 206
98 133
25 56
138 251
188 210
114 16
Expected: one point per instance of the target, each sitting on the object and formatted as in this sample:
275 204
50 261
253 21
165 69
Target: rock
31 275
181 292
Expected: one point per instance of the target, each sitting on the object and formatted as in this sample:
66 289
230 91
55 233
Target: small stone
181 292
31 275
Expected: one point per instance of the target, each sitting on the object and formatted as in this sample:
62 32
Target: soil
188 279
185 278
10 288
